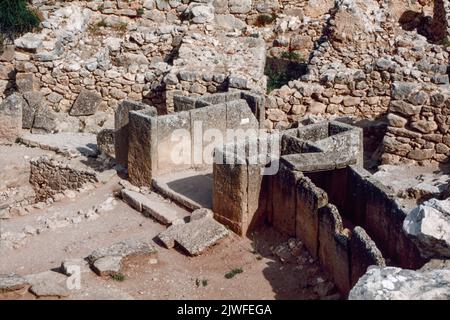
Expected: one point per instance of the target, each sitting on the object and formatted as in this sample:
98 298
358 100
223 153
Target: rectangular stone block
240 116
121 121
256 102
284 200
207 124
11 118
230 194
174 142
142 152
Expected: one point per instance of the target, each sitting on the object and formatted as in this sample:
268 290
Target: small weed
291 55
233 273
101 7
140 12
118 277
203 282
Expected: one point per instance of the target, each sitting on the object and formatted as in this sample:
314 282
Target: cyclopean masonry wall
151 142
419 124
321 195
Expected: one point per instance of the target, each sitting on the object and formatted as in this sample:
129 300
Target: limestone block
284 199
86 104
121 120
142 149
27 82
309 200
11 118
174 142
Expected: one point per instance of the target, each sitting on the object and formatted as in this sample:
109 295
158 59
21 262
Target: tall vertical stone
11 118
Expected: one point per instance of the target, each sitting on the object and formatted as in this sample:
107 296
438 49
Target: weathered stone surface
27 82
34 101
195 237
107 266
86 103
122 127
11 118
29 41
429 227
48 284
123 249
152 206
12 282
389 283
105 142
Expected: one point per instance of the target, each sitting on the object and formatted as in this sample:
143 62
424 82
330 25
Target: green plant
118 277
203 282
233 273
291 55
446 42
140 12
17 18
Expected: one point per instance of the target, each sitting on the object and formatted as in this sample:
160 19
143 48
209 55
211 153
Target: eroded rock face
391 283
429 227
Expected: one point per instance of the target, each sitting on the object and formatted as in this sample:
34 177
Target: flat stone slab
68 144
48 284
12 282
191 189
152 205
196 236
123 249
107 266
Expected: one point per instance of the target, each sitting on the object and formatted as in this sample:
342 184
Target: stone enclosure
217 119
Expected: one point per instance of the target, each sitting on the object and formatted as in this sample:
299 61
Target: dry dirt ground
60 230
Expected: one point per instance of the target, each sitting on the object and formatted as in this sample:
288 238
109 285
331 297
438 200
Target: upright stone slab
86 103
230 192
284 200
142 152
34 102
240 116
206 123
334 252
364 253
309 200
11 118
174 142
256 102
121 121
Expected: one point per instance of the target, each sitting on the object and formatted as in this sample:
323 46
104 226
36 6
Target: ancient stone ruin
223 149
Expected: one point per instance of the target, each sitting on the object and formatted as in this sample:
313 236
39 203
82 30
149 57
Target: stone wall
148 143
50 176
419 124
366 203
352 66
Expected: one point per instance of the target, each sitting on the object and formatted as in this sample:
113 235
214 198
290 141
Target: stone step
154 206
